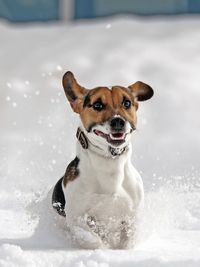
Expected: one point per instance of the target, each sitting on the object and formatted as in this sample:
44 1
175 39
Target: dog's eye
126 103
98 106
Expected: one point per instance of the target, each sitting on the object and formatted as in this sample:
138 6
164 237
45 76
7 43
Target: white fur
102 202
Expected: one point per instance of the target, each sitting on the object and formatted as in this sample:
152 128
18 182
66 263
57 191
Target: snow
37 137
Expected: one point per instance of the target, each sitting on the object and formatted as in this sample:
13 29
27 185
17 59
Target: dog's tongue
117 135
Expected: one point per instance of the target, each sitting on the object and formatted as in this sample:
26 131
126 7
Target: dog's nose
117 124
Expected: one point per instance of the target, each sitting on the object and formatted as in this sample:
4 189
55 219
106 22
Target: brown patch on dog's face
125 104
98 105
112 101
73 91
98 109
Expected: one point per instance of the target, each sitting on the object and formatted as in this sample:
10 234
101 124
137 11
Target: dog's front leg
127 234
87 234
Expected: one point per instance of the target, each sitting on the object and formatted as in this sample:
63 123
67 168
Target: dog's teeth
117 137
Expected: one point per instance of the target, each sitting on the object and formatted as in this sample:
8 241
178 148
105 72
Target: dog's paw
86 239
97 227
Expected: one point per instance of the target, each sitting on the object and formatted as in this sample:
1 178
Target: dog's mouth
113 138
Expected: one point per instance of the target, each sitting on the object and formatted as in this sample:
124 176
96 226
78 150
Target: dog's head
108 115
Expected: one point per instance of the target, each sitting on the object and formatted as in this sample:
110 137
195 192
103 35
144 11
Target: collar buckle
82 138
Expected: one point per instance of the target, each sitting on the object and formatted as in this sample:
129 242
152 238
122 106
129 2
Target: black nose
117 124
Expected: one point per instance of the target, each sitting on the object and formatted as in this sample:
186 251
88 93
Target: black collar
82 138
85 144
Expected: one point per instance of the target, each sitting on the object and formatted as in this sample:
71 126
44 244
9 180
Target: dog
101 192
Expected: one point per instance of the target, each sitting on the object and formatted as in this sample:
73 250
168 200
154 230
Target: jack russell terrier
101 192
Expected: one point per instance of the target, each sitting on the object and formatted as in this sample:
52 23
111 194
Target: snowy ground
37 137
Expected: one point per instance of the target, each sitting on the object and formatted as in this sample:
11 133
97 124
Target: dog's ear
141 91
73 91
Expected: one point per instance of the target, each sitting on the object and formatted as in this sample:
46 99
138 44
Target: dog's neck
111 152
98 162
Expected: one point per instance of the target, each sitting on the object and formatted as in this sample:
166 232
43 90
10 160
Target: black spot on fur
58 198
86 102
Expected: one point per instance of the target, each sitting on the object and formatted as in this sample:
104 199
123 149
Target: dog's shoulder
58 197
72 171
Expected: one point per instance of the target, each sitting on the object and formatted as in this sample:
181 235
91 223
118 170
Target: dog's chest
102 175
104 187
